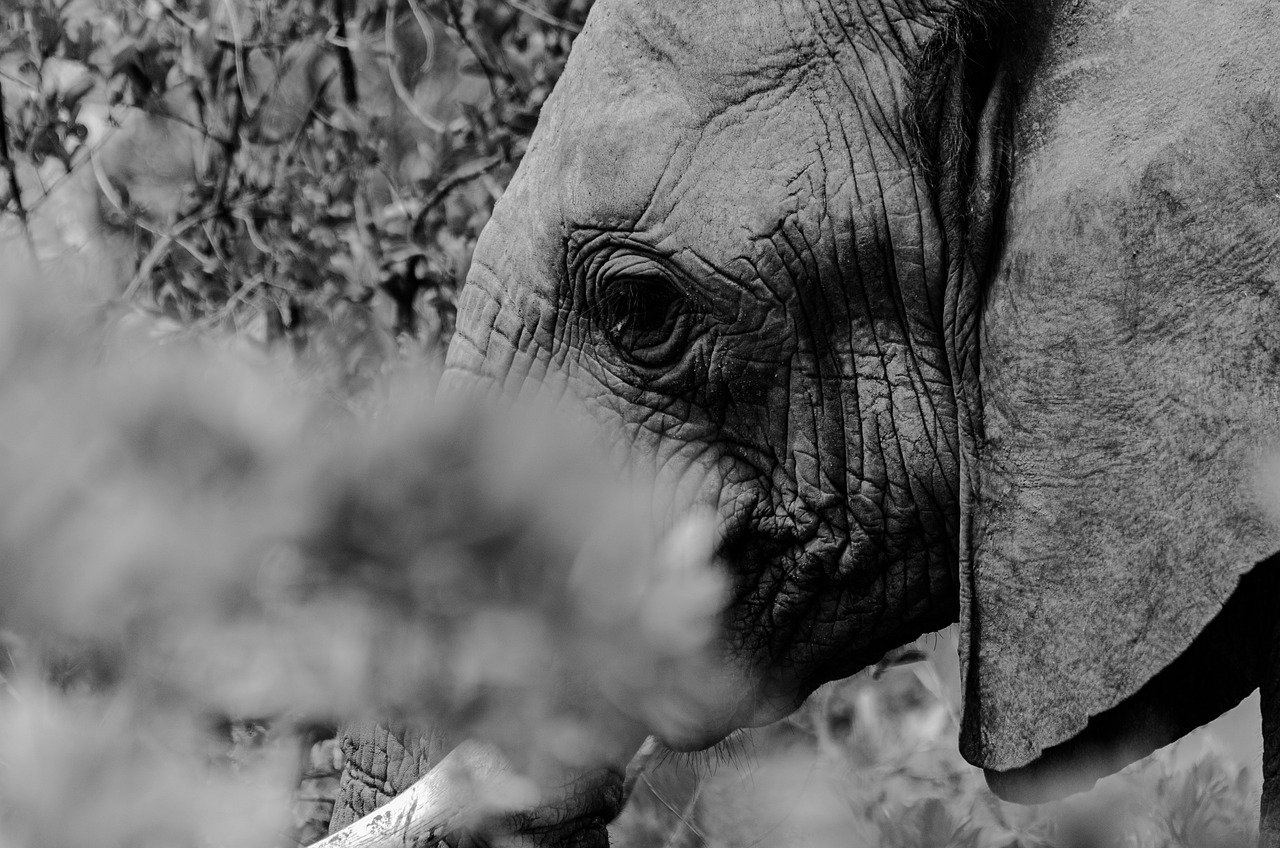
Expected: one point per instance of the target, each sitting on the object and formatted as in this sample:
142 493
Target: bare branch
6 159
349 93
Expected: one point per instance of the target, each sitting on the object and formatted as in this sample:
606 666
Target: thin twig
682 817
434 124
460 27
240 295
481 168
424 26
300 134
545 17
148 264
237 51
164 239
686 817
159 110
229 151
160 249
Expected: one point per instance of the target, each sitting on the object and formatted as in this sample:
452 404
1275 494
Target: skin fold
947 310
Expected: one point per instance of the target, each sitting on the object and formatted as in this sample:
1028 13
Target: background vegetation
231 234
311 174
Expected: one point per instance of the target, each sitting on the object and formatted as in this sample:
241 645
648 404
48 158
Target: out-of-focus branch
6 159
460 27
402 91
349 93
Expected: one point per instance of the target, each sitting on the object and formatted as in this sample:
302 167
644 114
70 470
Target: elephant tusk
644 760
463 790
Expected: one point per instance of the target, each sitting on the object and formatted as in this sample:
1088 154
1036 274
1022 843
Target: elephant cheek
502 343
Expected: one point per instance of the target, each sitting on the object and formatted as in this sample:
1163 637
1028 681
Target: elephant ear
1122 474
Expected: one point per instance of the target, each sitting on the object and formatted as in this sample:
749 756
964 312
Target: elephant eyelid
602 269
592 254
644 317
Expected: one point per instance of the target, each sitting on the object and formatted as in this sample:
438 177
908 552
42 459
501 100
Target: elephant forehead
743 110
755 181
720 39
609 161
643 161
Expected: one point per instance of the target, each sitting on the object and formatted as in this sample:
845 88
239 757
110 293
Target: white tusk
463 790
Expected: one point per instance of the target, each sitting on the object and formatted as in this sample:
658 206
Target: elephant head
739 238
767 246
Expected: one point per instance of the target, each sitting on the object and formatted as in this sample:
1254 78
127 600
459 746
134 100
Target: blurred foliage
202 559
314 173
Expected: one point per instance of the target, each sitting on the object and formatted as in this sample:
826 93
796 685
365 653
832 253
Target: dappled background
232 517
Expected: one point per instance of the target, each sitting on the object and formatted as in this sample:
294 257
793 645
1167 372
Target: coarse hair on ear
960 118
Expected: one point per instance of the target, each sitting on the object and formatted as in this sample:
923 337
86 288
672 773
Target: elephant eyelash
626 297
736 750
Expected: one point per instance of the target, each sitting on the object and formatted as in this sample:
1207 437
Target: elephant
951 310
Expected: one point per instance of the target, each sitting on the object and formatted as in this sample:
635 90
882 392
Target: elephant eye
644 319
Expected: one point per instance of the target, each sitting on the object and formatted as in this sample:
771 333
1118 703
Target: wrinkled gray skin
758 241
723 242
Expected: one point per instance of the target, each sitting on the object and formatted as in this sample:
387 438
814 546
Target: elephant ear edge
1122 480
